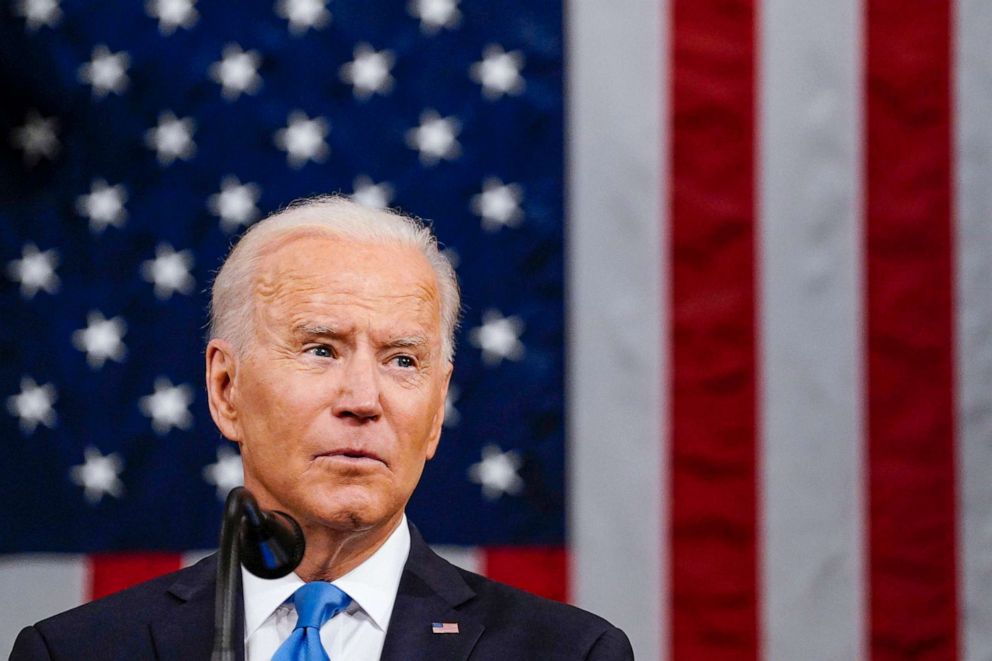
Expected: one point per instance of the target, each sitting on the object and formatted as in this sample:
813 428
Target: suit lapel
430 591
187 631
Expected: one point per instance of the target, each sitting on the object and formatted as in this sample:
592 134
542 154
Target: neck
332 553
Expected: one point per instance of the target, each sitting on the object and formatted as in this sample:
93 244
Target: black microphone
272 543
268 544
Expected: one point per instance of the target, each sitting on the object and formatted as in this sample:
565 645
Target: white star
303 139
226 474
498 204
35 270
38 13
304 14
101 339
98 475
368 73
370 194
168 406
103 206
106 71
237 71
498 337
172 138
497 473
451 415
33 405
435 138
36 138
172 14
235 203
169 271
498 72
435 14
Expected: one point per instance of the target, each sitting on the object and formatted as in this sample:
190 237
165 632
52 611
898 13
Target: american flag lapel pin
444 627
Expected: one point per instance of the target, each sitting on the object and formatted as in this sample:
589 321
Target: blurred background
724 370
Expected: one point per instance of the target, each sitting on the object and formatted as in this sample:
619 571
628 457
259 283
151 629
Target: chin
350 508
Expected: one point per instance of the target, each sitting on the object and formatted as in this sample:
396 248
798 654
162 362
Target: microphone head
272 543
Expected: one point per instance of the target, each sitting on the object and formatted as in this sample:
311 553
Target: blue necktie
316 603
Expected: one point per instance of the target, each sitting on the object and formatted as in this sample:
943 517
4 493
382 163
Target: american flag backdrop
724 373
140 138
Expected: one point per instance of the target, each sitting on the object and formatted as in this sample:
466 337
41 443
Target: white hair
231 298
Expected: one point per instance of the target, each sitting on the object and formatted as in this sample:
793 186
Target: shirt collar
372 585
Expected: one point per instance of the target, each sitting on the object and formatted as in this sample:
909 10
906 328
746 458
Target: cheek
276 413
415 425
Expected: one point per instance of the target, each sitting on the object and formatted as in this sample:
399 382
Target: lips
355 454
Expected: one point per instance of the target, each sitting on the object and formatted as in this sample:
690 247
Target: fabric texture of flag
724 374
139 139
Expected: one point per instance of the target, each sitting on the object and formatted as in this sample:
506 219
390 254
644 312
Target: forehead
304 272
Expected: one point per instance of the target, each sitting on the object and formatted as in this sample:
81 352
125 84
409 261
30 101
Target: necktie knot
317 602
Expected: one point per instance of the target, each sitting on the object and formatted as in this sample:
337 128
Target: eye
321 350
406 362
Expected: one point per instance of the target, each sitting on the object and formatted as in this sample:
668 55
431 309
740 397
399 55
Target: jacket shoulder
512 624
127 605
529 622
118 621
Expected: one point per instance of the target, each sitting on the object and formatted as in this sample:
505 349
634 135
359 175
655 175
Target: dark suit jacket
171 617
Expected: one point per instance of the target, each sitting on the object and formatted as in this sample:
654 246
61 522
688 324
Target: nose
358 392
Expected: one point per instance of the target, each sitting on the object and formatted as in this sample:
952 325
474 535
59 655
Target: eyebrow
406 342
319 330
315 330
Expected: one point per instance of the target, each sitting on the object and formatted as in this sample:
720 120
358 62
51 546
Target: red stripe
714 606
110 572
913 592
540 570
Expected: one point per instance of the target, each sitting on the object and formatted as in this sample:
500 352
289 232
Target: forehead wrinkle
288 288
274 267
410 325
338 290
272 284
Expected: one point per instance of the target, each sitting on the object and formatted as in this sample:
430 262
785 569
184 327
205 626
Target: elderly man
329 358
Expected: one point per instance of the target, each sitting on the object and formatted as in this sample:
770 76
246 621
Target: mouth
351 455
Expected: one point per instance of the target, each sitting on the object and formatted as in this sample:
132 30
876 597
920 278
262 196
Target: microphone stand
269 544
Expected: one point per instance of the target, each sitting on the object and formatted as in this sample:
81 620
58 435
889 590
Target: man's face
339 399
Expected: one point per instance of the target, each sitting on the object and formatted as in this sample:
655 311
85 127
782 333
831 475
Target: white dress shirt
358 633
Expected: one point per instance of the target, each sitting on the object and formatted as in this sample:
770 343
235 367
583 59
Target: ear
222 366
438 420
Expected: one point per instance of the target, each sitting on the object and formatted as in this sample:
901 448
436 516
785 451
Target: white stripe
617 455
813 600
33 587
466 557
974 321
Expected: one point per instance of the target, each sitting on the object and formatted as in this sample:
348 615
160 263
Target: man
330 352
